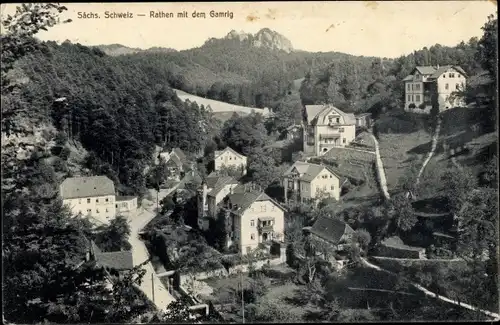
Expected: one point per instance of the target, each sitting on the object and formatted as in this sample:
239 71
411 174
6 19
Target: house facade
428 84
363 120
253 217
294 132
231 159
213 190
176 162
325 127
306 182
92 196
126 205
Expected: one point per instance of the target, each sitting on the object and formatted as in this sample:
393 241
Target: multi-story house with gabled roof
306 182
253 218
231 159
325 127
427 86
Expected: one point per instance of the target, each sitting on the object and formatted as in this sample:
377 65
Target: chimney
204 195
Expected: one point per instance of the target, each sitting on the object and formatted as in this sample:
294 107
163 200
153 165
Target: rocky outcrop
265 38
273 40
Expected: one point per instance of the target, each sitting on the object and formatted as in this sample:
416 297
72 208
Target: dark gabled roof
174 159
180 154
220 184
81 187
330 229
443 69
115 260
244 195
425 70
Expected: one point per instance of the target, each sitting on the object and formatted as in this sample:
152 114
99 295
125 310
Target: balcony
265 225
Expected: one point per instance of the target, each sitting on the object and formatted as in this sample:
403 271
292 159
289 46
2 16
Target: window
263 208
332 188
88 200
412 98
343 140
412 87
107 210
331 176
418 98
457 86
446 86
79 201
97 210
252 223
116 206
97 200
230 158
252 237
272 208
444 76
88 210
107 200
341 130
80 211
408 87
417 86
338 120
409 98
249 249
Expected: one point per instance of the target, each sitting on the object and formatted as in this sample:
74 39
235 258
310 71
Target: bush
65 153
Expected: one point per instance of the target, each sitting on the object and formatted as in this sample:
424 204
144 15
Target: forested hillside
117 111
360 85
233 70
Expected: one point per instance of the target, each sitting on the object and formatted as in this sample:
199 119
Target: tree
459 183
177 312
363 238
401 212
114 237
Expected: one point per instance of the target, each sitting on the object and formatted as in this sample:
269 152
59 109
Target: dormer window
338 120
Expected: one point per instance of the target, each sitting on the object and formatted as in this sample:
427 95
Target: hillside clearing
215 105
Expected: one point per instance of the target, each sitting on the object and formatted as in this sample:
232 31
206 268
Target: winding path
435 138
151 285
380 169
435 295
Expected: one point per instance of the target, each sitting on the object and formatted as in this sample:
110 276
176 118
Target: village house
306 182
125 205
213 189
363 120
294 132
95 198
231 159
325 127
333 235
428 84
177 163
112 262
254 218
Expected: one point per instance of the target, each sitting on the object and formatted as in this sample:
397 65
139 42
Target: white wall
452 78
97 207
230 159
246 228
346 137
320 184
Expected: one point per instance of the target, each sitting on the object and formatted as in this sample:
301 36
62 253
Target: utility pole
242 296
153 287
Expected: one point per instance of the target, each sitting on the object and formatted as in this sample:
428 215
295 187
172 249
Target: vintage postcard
246 162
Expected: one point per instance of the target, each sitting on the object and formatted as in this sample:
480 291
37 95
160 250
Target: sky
371 28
